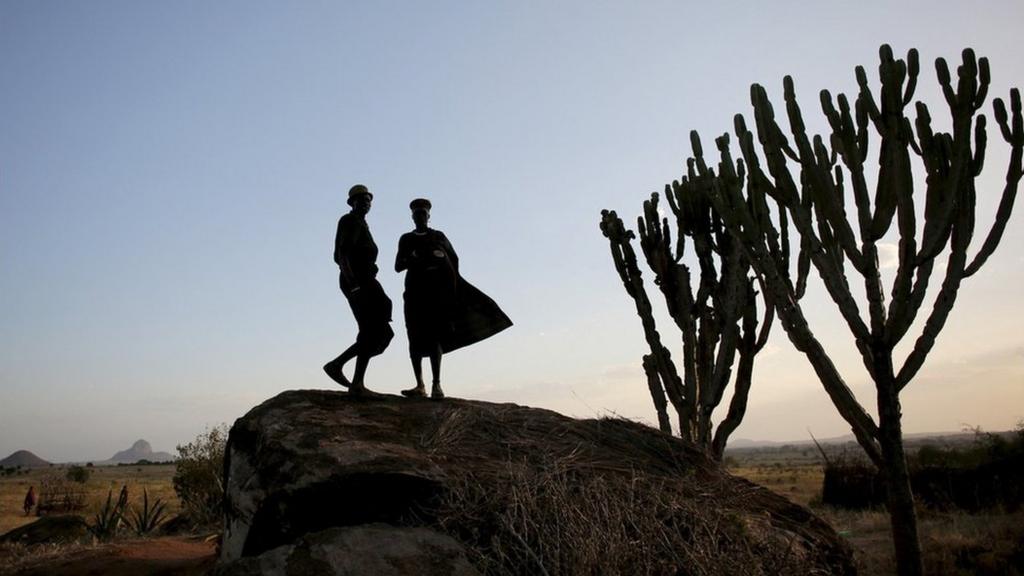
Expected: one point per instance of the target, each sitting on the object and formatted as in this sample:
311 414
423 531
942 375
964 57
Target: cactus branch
717 317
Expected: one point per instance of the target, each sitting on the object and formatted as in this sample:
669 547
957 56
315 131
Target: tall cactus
719 321
809 181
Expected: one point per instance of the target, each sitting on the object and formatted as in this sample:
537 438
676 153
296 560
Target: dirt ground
185 556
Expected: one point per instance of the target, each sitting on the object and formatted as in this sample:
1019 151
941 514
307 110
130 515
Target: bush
199 476
987 474
79 474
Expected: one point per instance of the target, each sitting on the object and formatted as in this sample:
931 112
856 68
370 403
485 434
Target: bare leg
334 367
435 371
358 387
417 369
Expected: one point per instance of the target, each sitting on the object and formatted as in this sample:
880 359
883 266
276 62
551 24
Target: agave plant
108 520
146 519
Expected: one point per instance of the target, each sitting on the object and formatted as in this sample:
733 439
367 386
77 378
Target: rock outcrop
140 450
317 476
377 549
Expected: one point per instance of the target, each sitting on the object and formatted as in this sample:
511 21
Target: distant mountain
25 459
742 443
141 450
746 443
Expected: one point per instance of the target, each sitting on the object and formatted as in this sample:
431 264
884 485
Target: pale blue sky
171 174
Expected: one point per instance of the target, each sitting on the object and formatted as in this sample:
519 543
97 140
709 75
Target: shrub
199 476
987 474
79 474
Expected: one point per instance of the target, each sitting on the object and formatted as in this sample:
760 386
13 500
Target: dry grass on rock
603 497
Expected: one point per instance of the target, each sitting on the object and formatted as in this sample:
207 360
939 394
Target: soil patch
153 557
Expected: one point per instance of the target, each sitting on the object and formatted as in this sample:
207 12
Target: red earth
176 555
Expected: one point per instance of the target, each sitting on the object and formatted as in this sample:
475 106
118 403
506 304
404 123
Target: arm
402 259
338 244
343 241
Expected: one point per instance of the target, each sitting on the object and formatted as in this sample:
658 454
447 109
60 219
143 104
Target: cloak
475 317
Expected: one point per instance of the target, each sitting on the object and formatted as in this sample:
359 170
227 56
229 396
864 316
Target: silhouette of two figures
442 311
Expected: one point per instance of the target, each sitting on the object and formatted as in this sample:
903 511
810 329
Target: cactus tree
718 321
809 182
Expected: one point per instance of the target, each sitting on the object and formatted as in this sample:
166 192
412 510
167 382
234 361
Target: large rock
309 460
377 549
517 486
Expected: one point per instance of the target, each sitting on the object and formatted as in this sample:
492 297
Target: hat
358 190
419 203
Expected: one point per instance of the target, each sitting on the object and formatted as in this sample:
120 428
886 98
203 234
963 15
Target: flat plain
154 478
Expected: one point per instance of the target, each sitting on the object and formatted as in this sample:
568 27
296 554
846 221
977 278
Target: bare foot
336 375
436 393
417 392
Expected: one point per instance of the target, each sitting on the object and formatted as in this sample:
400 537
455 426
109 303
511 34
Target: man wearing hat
355 253
443 312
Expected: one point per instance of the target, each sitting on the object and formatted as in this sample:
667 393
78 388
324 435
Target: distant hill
748 444
910 439
25 459
141 450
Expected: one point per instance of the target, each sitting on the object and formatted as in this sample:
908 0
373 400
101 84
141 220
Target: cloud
888 255
971 369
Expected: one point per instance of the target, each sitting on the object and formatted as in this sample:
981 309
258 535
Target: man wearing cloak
443 312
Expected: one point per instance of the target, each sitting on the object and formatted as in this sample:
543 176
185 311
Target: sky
171 175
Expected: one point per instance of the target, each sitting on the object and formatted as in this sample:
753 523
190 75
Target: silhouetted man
356 256
443 312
